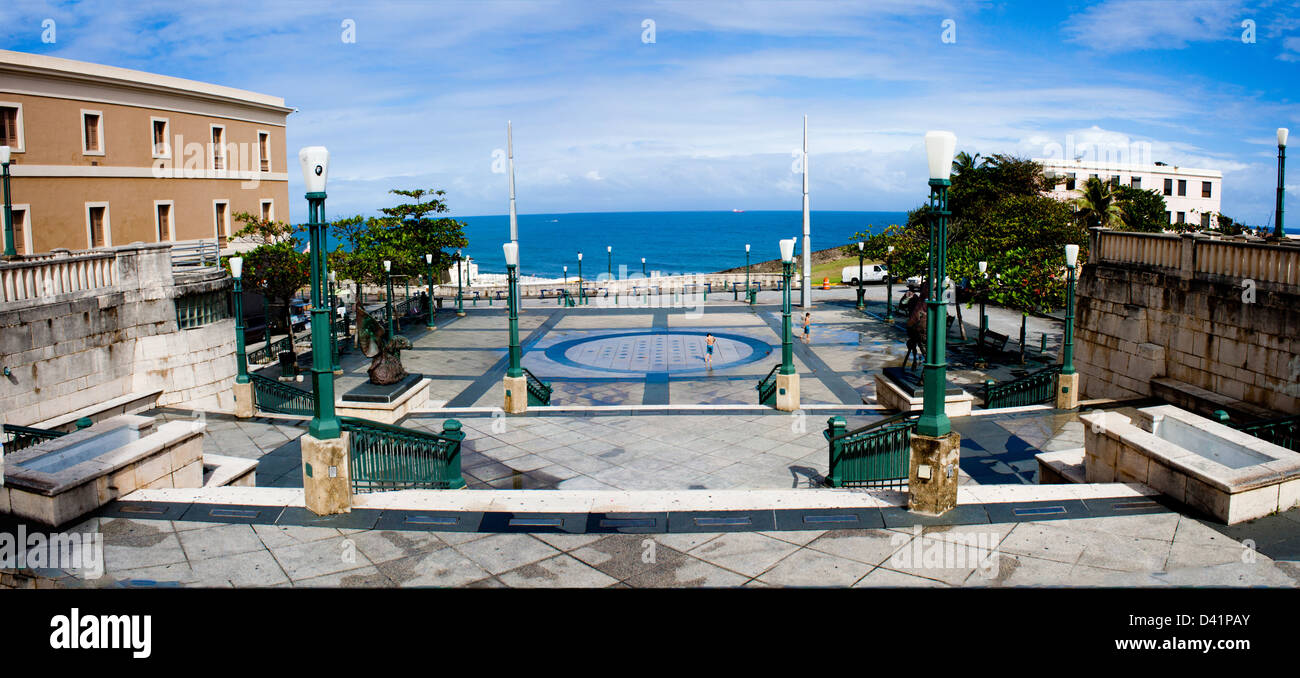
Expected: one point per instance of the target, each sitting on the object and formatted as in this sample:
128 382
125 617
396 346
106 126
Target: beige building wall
55 176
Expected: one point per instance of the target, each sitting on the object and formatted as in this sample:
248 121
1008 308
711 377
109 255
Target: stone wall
104 339
1157 312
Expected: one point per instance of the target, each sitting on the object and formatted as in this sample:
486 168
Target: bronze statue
385 351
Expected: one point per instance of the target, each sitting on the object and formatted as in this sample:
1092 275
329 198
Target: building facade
1192 196
105 156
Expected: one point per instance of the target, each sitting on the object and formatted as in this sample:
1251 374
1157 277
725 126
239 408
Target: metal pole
428 323
388 303
334 323
934 420
510 151
325 424
10 250
241 355
747 270
1067 354
460 296
515 370
582 292
889 289
807 237
1278 230
787 340
861 305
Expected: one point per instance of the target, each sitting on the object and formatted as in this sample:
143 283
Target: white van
870 273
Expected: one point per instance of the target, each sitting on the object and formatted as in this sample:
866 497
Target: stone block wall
1136 322
77 349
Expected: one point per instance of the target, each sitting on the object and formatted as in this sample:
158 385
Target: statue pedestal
326 475
901 390
388 406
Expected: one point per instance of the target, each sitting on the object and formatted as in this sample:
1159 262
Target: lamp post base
516 394
787 392
933 472
1067 391
245 406
326 474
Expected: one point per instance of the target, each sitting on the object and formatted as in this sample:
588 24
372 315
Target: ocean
671 242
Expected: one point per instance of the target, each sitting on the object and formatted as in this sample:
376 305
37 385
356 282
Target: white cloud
1127 25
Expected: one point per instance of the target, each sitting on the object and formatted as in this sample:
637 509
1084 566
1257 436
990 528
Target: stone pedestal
1067 391
516 394
787 392
245 407
933 472
326 474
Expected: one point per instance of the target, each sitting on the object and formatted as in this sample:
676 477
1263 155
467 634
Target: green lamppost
1278 231
939 148
512 275
746 269
241 355
582 288
334 325
388 299
984 319
889 285
10 250
642 267
1067 353
609 249
428 324
324 424
460 295
861 246
787 338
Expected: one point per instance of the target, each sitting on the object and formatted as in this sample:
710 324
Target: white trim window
99 227
221 217
11 126
160 137
164 225
268 210
22 228
263 150
92 132
217 155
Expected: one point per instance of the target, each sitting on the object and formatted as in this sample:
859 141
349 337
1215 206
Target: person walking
807 328
709 341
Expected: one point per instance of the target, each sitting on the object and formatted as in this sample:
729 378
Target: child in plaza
709 341
807 328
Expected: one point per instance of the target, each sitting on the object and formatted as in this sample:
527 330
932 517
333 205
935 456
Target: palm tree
1098 205
965 162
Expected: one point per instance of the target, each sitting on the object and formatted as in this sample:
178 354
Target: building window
92 133
1093 176
1114 181
163 221
161 147
205 308
1182 187
22 230
11 126
1069 181
1169 186
99 231
264 151
1205 189
1135 182
221 218
268 210
1182 217
1205 220
1169 217
218 147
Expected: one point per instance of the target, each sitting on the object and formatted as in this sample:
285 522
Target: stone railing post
1187 255
1094 244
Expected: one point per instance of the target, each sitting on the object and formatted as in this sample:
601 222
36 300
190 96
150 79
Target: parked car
870 273
298 316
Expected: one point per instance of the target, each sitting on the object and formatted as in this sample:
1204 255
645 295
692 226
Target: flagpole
807 238
510 150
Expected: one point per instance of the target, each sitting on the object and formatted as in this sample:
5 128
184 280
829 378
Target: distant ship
738 211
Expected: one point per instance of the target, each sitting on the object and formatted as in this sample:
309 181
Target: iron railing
386 457
197 310
269 352
767 388
23 437
1031 389
195 253
876 455
270 395
1283 431
539 392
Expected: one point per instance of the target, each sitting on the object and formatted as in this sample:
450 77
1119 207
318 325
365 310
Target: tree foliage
1143 210
403 236
275 268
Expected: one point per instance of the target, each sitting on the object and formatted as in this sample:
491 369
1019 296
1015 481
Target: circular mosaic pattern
640 352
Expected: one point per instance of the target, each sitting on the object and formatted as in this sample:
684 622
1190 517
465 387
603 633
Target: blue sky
707 115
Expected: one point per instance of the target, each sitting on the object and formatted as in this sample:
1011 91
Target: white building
1191 195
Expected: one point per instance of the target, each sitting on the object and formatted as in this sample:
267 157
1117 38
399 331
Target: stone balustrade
59 272
1190 254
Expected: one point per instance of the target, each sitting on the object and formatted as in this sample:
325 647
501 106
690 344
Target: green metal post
1067 353
746 270
388 303
582 292
787 340
889 289
515 370
324 424
934 420
460 296
241 354
861 306
10 250
1278 231
334 330
428 323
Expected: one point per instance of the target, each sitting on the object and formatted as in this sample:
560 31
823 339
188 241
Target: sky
699 105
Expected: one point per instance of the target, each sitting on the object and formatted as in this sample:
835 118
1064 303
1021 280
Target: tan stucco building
107 156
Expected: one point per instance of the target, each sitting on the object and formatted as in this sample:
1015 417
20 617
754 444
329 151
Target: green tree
413 229
1142 210
1098 205
275 268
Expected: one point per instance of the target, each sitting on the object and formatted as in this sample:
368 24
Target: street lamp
334 339
324 425
984 320
460 296
643 267
428 324
861 246
388 298
1067 355
512 263
746 269
1278 231
889 284
939 148
609 249
10 250
787 339
582 292
241 356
